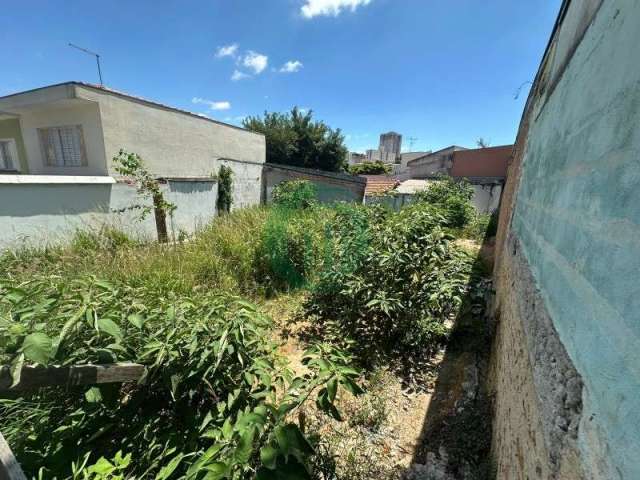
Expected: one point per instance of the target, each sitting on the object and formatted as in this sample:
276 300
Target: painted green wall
11 129
577 217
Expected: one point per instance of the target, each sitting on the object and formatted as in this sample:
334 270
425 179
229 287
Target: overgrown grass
221 257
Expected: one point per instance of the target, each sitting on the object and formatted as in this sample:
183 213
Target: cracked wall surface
566 360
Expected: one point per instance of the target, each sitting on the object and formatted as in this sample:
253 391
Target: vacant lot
295 341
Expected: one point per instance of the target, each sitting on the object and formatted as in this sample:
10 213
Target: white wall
486 198
70 112
39 213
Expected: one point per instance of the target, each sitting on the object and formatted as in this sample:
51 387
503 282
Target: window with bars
7 155
63 146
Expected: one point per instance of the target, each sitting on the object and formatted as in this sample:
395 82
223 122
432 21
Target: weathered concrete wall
486 197
331 187
566 358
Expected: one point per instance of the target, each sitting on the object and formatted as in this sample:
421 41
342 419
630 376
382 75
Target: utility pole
91 53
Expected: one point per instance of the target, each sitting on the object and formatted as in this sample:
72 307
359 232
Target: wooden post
9 466
161 218
35 377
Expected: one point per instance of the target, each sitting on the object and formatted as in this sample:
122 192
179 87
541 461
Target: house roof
412 186
451 148
128 96
482 162
379 184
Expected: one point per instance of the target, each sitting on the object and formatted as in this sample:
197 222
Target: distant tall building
390 146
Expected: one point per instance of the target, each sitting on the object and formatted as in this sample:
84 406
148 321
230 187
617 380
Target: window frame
42 131
13 151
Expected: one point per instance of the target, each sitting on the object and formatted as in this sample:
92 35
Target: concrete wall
10 128
566 359
331 187
172 143
486 197
40 211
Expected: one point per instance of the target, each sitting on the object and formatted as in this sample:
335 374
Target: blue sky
442 71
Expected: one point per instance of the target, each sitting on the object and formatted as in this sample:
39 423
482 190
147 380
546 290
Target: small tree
482 143
370 168
296 139
130 165
225 189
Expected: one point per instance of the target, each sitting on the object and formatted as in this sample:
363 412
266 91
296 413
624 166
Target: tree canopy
296 139
370 168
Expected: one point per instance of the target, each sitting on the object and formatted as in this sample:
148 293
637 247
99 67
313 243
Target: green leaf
136 320
93 395
166 471
216 471
110 327
244 448
37 347
332 388
292 442
16 369
268 455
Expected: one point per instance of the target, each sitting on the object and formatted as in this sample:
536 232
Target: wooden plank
33 377
9 466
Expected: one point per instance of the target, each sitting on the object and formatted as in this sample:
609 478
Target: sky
440 72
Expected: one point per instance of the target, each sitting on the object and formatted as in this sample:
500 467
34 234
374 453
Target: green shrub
290 247
295 194
216 397
370 168
391 279
452 197
225 189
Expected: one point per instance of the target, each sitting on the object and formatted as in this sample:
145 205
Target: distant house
57 144
482 164
433 163
486 169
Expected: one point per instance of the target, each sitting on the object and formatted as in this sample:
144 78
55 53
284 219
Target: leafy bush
290 248
452 197
295 194
225 189
370 168
216 402
391 279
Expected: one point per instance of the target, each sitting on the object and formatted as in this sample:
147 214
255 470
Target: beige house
75 129
56 149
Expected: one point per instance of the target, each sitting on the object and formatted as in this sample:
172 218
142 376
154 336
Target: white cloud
224 105
255 61
291 66
227 50
238 75
314 8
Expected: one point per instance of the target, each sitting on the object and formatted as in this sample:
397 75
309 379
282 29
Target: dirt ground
429 421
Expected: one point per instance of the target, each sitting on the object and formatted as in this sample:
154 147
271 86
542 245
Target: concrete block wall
566 360
331 187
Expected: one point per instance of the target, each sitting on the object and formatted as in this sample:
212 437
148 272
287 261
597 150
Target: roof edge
128 96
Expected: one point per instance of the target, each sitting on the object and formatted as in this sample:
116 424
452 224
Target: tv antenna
90 53
412 140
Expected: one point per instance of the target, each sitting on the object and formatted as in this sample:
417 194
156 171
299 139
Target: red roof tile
379 184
